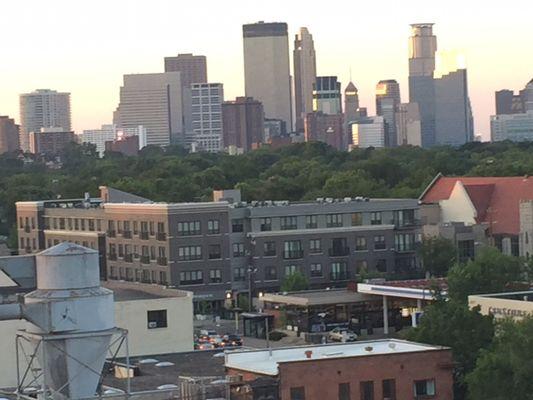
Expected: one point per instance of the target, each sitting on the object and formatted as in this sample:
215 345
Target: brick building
382 369
243 123
9 135
327 128
50 141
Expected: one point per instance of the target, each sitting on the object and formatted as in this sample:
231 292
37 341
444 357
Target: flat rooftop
517 296
127 291
266 362
317 297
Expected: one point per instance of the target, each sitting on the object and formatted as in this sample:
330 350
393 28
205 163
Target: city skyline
90 63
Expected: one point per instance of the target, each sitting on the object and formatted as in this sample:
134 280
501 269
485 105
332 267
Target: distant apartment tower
193 69
327 95
9 135
267 70
369 132
387 103
153 101
327 128
43 108
422 48
243 124
206 99
408 127
126 145
50 141
515 127
304 58
99 137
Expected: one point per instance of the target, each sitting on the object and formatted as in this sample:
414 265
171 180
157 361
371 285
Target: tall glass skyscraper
304 76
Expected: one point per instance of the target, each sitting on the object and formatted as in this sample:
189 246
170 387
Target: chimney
308 353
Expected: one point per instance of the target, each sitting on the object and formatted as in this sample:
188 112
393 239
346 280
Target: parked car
205 346
342 335
211 336
231 340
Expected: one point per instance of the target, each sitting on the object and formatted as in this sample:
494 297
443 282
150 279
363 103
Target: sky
85 47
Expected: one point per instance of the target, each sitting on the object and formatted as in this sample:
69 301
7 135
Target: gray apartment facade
213 248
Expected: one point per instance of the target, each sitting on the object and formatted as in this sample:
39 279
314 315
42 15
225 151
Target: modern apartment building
99 137
267 68
9 135
206 100
153 101
43 108
213 247
50 141
304 58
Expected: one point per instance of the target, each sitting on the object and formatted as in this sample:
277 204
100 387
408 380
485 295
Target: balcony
161 261
112 256
339 276
405 249
406 224
293 254
111 233
144 235
161 236
128 258
145 260
339 251
270 253
126 234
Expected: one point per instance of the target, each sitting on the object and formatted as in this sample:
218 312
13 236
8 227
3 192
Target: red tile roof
496 199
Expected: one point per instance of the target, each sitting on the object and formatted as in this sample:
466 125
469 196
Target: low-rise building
380 369
9 135
50 141
514 305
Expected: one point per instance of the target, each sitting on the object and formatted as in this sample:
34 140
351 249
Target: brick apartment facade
212 247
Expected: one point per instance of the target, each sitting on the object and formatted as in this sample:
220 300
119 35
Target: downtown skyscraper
387 104
304 59
43 108
267 69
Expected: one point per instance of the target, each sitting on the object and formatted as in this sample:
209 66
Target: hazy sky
86 47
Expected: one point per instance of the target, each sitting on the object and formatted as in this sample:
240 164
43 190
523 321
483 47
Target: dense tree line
298 172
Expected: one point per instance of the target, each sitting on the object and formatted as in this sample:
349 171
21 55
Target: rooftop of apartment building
266 361
128 291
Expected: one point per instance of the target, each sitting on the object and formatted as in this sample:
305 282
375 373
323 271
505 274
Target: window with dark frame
424 388
344 391
311 222
367 390
298 393
157 319
388 387
269 249
375 218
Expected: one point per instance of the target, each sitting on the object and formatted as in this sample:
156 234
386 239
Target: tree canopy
438 255
294 282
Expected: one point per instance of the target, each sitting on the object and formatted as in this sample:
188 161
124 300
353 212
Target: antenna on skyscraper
350 73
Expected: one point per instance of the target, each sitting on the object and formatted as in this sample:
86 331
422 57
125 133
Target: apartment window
298 393
269 249
163 277
379 242
288 223
120 249
152 228
290 269
98 224
344 391
361 266
237 225
465 248
315 246
333 220
189 228
33 244
54 223
191 277
160 227
144 227
189 253
69 223
405 242
266 224
339 271
138 275
152 252
135 227
238 250
388 387
162 252
82 224
404 217
271 273
367 390
375 218
91 225
357 219
146 276
311 222
339 247
48 243
214 251
424 388
213 227
292 249
239 274
215 276
119 226
381 265
62 223
316 270
360 243
157 319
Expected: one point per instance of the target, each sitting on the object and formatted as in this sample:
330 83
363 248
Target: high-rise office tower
9 135
515 127
369 132
387 104
327 128
327 95
508 103
422 48
193 68
43 108
207 99
408 127
527 95
243 124
454 124
351 106
304 58
266 68
153 101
